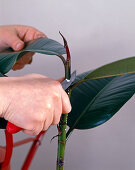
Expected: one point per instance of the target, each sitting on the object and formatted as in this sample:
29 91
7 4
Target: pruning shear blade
67 82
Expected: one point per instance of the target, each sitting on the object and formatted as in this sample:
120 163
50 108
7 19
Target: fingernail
19 46
70 108
40 35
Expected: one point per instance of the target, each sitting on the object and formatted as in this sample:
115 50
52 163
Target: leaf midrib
92 102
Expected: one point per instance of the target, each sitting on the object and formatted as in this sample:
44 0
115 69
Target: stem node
60 162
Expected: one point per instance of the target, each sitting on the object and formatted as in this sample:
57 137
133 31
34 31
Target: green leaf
120 67
43 45
96 101
46 46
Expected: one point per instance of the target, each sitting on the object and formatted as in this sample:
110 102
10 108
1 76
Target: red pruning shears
11 128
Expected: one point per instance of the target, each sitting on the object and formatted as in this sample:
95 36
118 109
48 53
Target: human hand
15 36
32 102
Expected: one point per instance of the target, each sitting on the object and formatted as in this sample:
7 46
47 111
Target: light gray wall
98 32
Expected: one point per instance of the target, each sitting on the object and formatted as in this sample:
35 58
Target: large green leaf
96 101
120 67
43 45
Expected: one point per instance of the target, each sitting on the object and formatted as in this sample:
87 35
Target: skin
15 36
34 99
33 102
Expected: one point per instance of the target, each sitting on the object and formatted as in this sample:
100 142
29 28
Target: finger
39 35
48 121
30 132
66 106
57 112
61 79
33 132
33 34
56 118
14 41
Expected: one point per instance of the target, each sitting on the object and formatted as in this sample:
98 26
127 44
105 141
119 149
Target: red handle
11 128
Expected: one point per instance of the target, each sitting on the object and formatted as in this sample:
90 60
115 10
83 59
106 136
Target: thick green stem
61 142
63 122
62 127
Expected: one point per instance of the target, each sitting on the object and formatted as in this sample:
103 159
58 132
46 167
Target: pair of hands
32 102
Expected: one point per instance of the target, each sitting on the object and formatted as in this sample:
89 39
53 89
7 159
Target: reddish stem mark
66 46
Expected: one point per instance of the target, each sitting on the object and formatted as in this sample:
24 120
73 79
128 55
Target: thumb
14 42
66 106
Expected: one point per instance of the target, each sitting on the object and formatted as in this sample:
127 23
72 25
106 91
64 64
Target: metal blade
66 83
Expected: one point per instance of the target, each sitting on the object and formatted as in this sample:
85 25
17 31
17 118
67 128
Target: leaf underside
43 45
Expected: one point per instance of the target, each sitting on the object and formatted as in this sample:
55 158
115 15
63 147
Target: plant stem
64 117
61 143
62 127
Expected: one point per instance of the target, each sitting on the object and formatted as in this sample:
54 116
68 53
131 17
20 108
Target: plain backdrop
98 32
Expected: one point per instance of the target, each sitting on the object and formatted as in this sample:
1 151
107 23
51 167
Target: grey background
98 32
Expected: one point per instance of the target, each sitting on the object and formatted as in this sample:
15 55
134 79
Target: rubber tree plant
95 95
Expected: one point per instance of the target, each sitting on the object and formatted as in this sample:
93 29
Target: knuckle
35 132
56 90
30 28
37 129
56 84
40 118
56 121
46 127
56 96
35 123
29 126
57 117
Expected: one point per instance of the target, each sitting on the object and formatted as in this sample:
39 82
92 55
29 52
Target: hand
32 102
15 36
